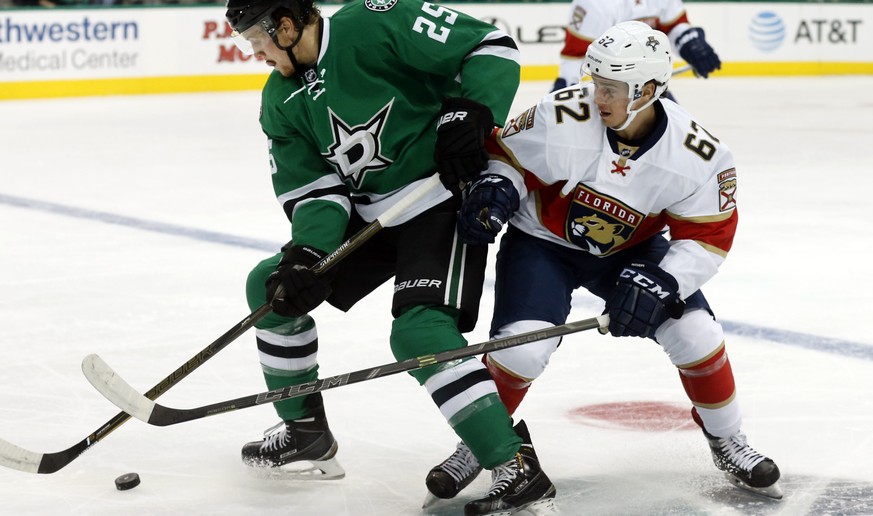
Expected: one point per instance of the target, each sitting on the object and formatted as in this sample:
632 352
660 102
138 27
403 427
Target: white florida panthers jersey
581 187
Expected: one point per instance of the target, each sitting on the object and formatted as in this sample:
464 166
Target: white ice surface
128 226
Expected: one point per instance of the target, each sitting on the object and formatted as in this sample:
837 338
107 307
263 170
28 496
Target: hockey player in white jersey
590 18
588 181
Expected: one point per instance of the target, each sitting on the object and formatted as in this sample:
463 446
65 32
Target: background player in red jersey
590 18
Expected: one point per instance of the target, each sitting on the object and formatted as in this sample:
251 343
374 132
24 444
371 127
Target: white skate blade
544 507
774 491
328 469
429 500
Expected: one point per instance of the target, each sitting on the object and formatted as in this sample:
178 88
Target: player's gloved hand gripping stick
15 457
459 151
294 287
490 202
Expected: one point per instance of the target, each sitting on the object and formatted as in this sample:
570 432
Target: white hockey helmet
633 53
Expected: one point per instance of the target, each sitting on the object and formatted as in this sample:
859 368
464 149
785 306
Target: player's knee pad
691 338
527 361
425 330
256 282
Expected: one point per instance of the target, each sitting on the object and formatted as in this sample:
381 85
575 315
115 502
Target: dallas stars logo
379 5
356 150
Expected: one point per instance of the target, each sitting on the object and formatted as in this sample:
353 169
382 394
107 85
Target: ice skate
519 484
303 449
452 475
743 466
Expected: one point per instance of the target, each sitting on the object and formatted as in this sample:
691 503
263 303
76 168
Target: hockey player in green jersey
360 109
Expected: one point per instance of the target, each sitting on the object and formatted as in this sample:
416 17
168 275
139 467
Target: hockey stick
15 457
119 392
681 70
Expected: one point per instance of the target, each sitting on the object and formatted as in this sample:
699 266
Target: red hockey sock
510 388
709 384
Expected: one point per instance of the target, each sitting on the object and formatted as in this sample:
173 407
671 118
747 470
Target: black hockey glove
490 202
303 289
644 296
694 49
460 153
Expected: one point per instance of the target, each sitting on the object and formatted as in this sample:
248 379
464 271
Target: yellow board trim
549 72
130 86
191 84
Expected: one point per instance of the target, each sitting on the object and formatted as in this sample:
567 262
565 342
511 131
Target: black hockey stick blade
16 457
119 392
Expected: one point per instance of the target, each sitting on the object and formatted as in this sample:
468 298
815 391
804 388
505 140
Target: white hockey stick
682 69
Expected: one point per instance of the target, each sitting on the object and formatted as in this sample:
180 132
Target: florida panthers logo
599 224
597 230
356 151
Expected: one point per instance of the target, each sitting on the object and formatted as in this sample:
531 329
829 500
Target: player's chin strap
632 113
288 50
299 26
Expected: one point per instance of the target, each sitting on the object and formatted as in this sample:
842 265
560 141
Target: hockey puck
127 481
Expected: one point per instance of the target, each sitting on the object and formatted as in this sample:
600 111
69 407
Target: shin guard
510 388
710 383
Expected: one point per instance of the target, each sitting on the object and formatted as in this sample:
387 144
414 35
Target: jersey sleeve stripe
703 219
714 236
712 249
337 195
497 44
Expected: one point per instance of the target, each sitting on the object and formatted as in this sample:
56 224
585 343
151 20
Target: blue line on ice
802 340
147 225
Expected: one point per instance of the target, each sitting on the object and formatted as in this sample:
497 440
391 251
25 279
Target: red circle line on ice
653 416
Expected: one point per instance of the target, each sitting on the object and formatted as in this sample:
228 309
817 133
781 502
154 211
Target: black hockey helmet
253 20
244 14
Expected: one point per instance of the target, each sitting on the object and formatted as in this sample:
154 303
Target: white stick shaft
682 69
409 200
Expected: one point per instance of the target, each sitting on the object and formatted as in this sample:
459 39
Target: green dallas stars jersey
358 131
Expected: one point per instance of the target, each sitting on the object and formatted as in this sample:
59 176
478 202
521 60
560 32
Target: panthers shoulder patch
727 190
379 5
520 123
